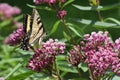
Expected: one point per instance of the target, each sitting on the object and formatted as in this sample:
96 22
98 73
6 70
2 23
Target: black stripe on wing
25 19
39 20
27 30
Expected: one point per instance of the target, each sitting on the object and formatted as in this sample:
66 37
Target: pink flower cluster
47 1
61 14
96 39
102 60
53 47
15 37
40 60
100 53
46 55
7 11
75 56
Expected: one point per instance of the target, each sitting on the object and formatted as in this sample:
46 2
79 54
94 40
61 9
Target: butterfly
33 29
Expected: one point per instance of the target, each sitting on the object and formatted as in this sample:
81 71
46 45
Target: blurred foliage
81 18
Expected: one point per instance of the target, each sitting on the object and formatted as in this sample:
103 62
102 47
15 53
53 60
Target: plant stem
63 21
99 14
91 76
78 72
57 71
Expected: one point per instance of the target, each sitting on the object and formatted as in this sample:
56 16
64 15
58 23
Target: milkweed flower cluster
117 49
75 56
100 53
61 14
7 11
40 60
53 47
47 1
46 55
15 37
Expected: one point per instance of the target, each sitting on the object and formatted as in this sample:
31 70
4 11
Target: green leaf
97 23
113 19
94 8
87 8
45 8
32 6
67 3
113 6
83 66
55 26
60 57
10 60
5 23
71 27
14 70
64 66
1 38
66 36
41 7
21 76
19 17
116 78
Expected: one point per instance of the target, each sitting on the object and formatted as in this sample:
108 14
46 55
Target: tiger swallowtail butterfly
33 29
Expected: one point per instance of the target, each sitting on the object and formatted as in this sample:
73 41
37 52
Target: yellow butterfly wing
33 29
37 30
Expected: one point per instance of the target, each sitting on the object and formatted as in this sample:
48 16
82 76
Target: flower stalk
68 30
57 70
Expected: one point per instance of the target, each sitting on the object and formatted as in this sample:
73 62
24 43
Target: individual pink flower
15 37
7 11
61 14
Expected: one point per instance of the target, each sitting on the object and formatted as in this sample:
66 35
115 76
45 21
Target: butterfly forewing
38 30
26 28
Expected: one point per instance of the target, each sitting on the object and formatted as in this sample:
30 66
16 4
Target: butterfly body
33 29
